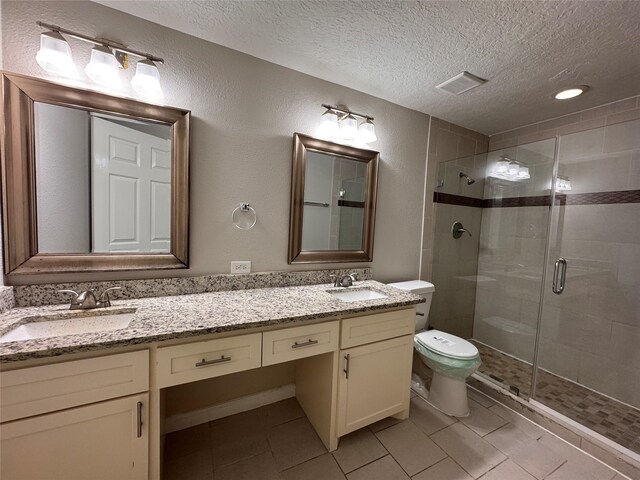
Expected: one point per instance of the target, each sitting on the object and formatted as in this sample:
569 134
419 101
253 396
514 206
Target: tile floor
277 442
614 420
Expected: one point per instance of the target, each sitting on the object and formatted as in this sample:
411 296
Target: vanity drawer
299 342
36 390
376 327
200 360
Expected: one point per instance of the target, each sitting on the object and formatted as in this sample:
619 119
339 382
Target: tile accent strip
439 197
538 201
47 294
597 198
600 198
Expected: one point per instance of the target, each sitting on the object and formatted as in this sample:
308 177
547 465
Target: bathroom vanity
96 400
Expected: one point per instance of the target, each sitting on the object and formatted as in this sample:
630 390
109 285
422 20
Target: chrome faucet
345 280
87 300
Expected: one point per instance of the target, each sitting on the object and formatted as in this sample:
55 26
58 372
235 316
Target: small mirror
332 202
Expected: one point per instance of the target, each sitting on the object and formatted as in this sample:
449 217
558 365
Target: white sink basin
347 295
47 328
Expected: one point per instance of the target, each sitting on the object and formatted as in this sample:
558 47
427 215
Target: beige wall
245 112
445 261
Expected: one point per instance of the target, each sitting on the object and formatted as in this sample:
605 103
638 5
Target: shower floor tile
615 420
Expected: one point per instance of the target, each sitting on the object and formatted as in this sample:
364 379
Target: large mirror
91 182
333 199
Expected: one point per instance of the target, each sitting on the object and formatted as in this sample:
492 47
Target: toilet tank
424 289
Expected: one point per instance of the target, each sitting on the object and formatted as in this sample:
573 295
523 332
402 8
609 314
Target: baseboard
237 405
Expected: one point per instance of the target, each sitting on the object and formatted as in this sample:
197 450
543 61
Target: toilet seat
447 345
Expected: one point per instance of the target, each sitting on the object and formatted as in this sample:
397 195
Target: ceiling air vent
461 83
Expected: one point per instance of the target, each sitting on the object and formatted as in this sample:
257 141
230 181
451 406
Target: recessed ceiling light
571 92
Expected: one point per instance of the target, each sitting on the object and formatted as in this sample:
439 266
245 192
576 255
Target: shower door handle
560 271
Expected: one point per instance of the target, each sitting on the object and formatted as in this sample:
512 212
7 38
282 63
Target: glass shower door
514 232
588 353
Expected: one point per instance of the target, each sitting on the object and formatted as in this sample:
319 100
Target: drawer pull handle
346 366
305 344
139 418
204 362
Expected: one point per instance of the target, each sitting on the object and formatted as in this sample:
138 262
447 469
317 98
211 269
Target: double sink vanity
87 387
92 393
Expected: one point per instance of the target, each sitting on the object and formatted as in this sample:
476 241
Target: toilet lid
446 344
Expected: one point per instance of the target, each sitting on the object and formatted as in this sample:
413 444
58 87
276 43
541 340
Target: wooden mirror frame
17 162
301 145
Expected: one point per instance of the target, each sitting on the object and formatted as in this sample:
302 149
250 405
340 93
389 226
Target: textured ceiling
400 50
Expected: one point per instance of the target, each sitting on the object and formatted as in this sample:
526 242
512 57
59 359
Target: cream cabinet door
374 382
106 440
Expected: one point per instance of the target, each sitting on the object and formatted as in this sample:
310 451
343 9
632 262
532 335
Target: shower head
470 181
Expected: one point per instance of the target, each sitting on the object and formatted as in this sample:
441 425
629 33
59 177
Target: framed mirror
333 202
91 182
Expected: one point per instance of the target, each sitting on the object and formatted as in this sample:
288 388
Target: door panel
131 189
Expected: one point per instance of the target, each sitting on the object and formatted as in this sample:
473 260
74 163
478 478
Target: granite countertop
164 318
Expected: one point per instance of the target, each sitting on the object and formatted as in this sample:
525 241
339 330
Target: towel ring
242 216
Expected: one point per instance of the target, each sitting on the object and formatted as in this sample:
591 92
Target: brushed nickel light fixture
107 57
338 122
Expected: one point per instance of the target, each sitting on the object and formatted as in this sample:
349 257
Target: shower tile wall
450 264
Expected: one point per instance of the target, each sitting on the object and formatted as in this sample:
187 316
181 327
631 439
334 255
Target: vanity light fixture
55 55
571 92
341 123
107 57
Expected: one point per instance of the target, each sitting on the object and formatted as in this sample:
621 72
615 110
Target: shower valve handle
457 229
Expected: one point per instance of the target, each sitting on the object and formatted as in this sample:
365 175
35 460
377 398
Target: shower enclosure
547 281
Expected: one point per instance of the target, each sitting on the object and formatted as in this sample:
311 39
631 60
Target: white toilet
452 359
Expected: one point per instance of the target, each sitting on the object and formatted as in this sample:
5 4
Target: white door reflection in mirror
131 186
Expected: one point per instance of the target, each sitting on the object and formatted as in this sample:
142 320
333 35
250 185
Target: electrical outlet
241 267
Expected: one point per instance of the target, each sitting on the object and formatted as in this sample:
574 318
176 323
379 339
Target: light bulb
329 124
349 127
502 166
146 81
103 67
513 169
523 173
367 132
55 55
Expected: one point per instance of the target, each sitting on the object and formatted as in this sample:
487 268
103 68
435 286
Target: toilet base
449 395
